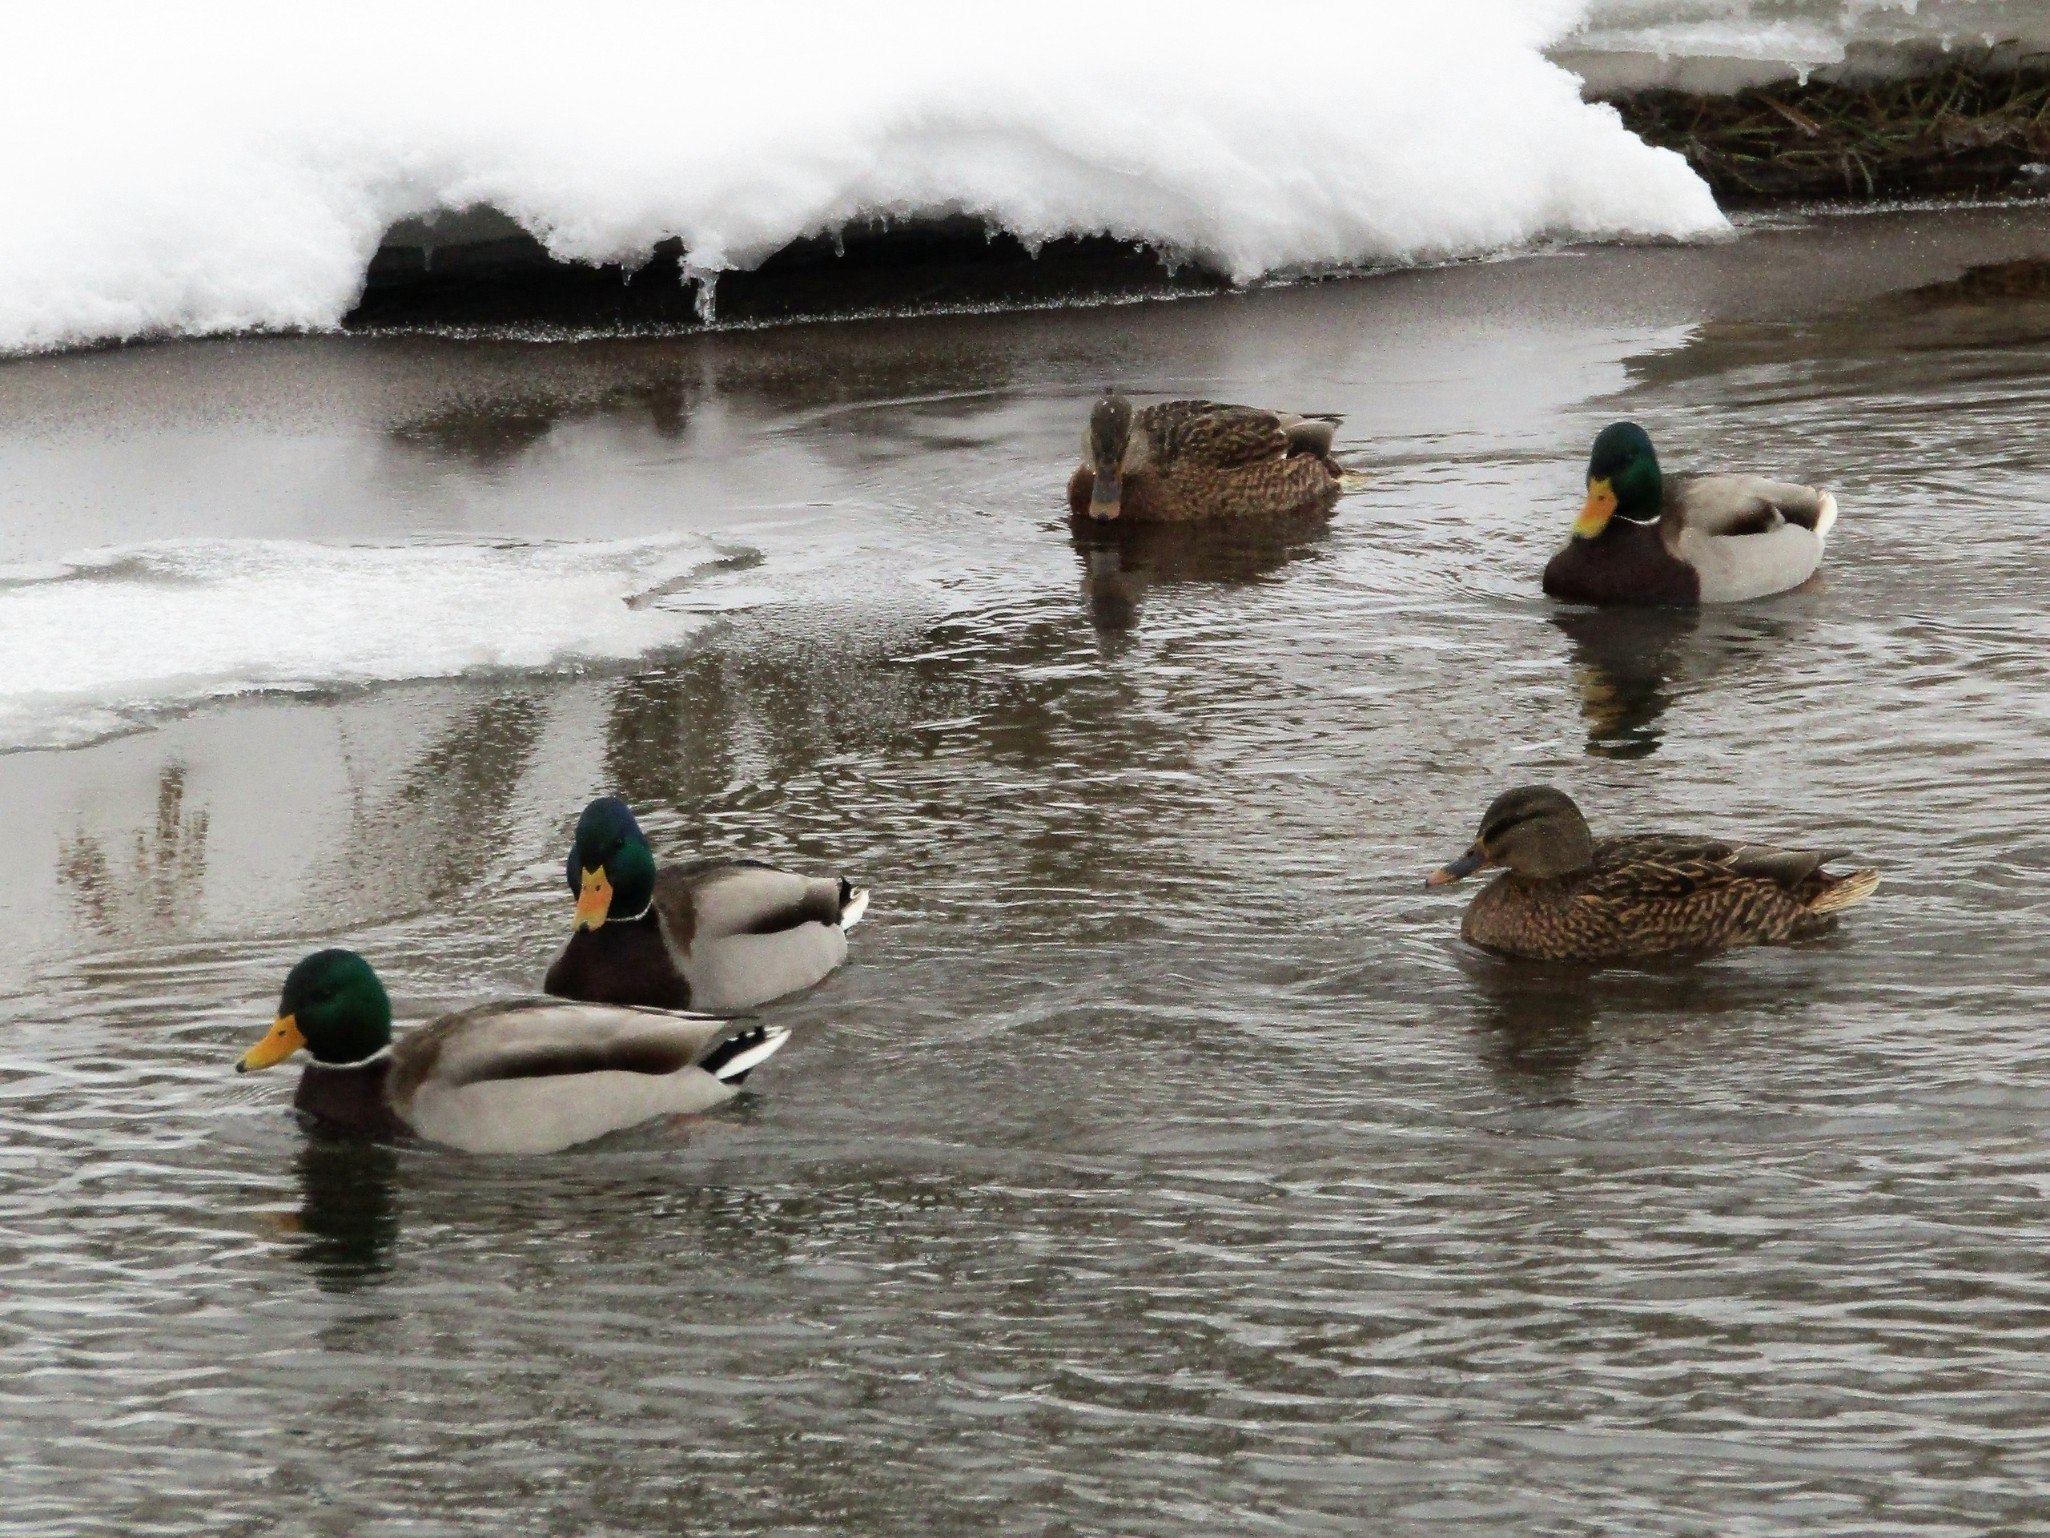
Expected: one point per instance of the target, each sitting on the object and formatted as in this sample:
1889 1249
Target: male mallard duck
525 1077
1184 461
719 935
1568 897
1651 539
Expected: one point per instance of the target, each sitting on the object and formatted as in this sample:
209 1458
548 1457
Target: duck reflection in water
348 1217
1537 1023
1122 562
1623 661
1631 665
512 414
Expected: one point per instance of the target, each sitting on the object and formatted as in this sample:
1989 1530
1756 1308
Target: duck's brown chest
350 1100
1542 920
1627 563
622 963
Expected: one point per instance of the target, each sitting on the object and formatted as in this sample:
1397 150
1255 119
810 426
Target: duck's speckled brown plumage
1198 461
1652 895
1567 896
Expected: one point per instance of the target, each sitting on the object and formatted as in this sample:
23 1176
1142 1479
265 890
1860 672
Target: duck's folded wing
552 1039
1645 867
1785 867
1217 437
532 1077
1747 537
1732 505
744 898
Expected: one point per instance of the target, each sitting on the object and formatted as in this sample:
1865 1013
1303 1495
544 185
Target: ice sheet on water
1779 37
199 169
92 645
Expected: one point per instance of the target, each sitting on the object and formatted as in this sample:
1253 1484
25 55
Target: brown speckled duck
1567 896
1196 461
718 935
1648 538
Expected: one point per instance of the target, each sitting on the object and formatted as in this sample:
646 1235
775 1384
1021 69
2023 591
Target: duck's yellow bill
279 1043
594 901
1601 506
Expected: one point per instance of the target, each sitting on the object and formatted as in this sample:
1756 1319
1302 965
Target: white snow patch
209 168
91 646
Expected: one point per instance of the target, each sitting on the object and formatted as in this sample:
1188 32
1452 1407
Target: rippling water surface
1162 1162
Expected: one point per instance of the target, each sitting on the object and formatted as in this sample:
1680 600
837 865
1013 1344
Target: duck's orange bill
594 902
1601 506
279 1043
1458 870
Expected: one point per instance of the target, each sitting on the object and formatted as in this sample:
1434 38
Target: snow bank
197 169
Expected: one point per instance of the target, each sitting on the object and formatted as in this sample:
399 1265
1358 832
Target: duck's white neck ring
378 1056
631 918
1642 523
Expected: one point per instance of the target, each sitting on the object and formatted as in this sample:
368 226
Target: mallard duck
1569 897
529 1076
1188 461
1646 538
718 935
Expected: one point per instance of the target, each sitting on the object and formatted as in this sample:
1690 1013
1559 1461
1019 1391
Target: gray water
1161 1162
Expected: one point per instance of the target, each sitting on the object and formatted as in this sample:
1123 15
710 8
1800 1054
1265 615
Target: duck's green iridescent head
611 867
1622 478
333 1006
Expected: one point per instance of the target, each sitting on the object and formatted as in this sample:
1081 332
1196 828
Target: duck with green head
718 934
1644 537
1198 461
1565 895
529 1076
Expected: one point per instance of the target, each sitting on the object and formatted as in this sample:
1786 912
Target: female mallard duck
1187 461
1568 897
1644 538
525 1077
718 935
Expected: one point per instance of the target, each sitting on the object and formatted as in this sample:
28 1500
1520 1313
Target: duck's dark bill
279 1043
1106 496
1458 870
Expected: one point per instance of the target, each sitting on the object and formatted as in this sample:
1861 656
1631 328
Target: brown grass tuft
1966 130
